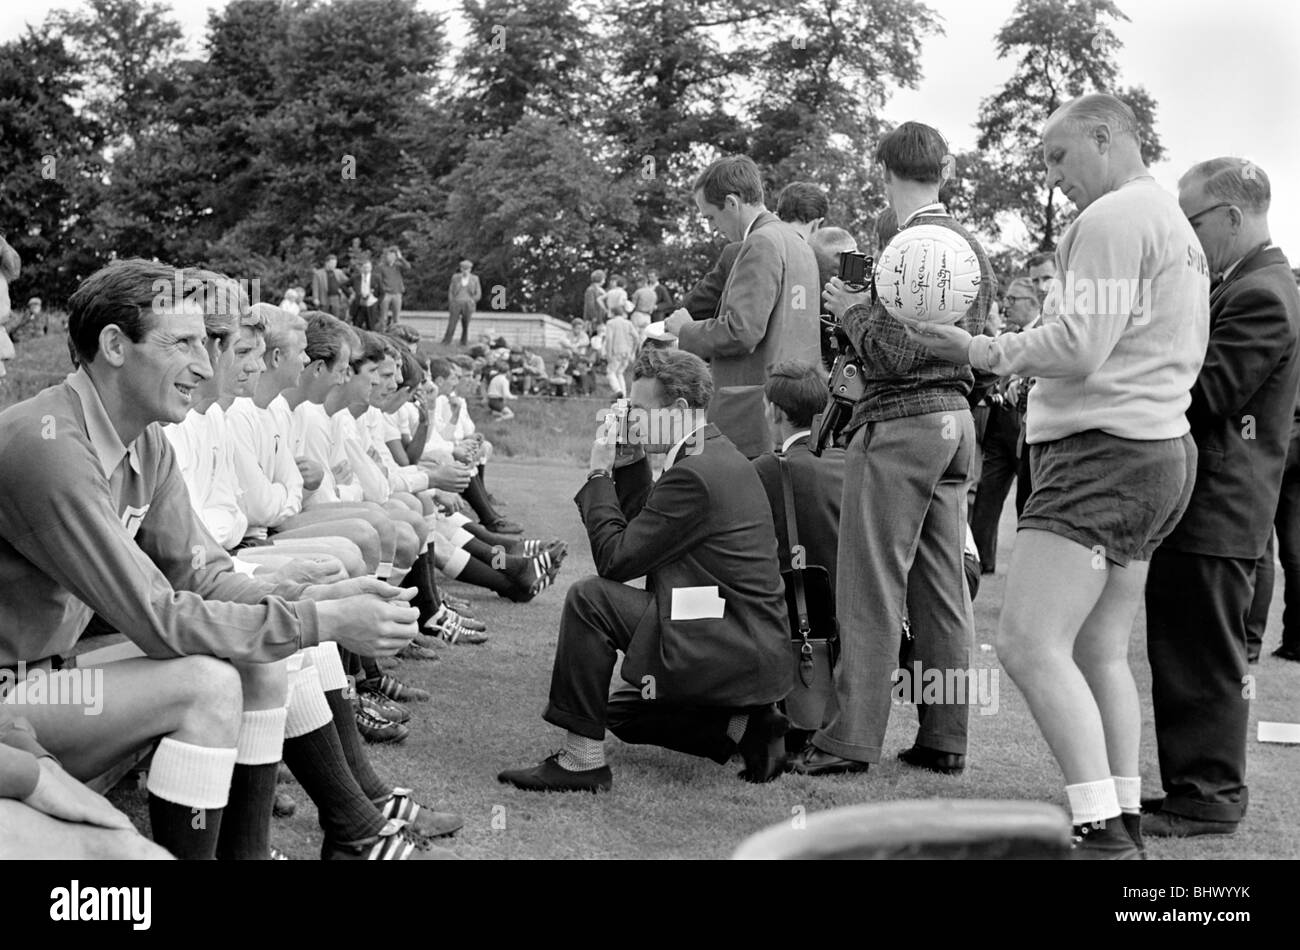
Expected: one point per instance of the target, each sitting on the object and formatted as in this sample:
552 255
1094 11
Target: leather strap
796 573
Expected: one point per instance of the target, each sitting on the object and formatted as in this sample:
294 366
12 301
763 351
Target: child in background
499 391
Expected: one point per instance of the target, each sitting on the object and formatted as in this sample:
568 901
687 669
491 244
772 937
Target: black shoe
1150 806
816 762
549 776
1133 825
763 745
1104 841
1166 824
502 526
1288 652
945 763
988 569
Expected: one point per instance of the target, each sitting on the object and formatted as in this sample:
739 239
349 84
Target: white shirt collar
934 208
1237 263
671 457
785 446
750 227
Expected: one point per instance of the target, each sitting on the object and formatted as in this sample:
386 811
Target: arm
671 522
751 297
264 501
702 299
475 289
1247 340
1076 343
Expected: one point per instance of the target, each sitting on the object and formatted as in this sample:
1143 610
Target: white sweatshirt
202 447
313 439
1124 328
268 476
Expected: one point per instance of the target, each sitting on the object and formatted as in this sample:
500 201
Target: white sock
329 665
1092 801
581 754
736 727
1128 791
308 708
261 736
191 775
456 562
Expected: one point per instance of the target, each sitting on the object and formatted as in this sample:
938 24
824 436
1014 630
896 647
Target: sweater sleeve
265 501
171 588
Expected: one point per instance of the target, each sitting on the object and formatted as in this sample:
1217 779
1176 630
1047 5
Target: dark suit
704 524
1287 524
1201 578
818 485
1001 459
367 316
768 314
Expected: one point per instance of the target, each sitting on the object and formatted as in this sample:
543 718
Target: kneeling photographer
903 521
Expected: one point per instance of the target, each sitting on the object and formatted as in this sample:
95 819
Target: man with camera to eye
903 519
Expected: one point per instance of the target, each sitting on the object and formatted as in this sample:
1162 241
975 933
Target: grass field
485 715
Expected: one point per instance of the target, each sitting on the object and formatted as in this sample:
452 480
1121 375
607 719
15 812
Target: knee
407 541
365 537
264 685
353 561
210 699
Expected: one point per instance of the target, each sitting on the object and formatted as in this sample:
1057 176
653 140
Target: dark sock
476 495
189 833
482 550
354 750
490 537
318 763
370 668
479 574
246 824
351 663
426 600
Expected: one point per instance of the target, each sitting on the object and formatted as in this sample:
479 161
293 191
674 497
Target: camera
846 378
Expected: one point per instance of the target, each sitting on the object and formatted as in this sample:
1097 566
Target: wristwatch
598 473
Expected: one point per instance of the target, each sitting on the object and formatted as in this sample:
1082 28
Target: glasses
1013 299
1194 219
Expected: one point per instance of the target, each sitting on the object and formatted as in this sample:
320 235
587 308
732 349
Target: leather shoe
1104 841
1165 824
502 526
1150 806
1286 652
816 762
763 745
922 757
550 776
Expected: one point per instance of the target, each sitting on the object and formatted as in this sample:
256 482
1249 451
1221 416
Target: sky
1225 77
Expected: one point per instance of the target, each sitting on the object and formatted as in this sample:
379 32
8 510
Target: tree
125 49
53 165
1064 49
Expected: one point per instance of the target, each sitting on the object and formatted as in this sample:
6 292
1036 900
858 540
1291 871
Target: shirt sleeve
264 501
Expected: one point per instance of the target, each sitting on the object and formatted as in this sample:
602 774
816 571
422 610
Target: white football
928 273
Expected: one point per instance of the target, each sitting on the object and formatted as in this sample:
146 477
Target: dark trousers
1024 483
599 619
1196 642
1287 523
460 311
999 470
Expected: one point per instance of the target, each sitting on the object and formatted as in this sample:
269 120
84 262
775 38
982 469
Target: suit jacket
705 523
702 300
768 313
376 288
475 291
1242 407
818 488
663 302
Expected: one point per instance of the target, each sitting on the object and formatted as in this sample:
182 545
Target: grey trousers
902 534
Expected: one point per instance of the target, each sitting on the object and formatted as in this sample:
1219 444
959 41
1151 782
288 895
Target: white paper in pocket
697 603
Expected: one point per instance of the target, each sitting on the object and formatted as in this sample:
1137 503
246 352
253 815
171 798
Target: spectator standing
394 284
462 297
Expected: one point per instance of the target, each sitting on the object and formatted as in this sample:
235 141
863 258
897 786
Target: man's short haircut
1084 114
1234 180
463 362
411 370
1022 287
392 249
682 375
32 300
440 368
734 175
327 335
598 277
829 243
400 331
914 151
122 293
280 324
798 389
1040 258
371 349
331 257
802 202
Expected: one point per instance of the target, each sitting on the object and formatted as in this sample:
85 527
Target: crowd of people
283 530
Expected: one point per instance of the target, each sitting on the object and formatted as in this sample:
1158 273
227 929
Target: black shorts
1119 497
